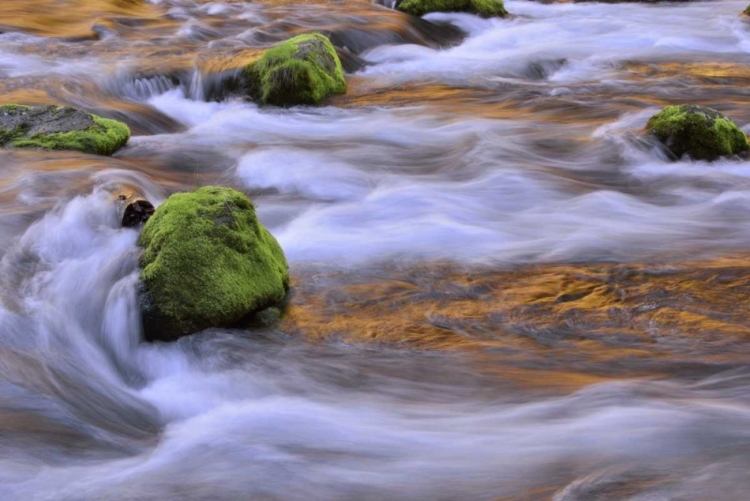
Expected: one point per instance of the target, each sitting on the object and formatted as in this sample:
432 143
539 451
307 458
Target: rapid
489 259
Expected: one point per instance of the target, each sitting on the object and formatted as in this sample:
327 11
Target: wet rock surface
136 212
44 119
59 128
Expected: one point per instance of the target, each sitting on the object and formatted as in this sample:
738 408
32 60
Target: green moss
702 133
483 8
207 262
746 11
13 108
103 137
302 70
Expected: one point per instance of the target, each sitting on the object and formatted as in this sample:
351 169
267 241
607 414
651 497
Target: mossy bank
303 70
207 262
698 132
60 128
483 8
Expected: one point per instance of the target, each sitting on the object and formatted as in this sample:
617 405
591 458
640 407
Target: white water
360 184
592 40
89 413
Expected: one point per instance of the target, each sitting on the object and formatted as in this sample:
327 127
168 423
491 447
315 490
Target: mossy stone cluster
207 262
60 128
303 70
483 8
699 132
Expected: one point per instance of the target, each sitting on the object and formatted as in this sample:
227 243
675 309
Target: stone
698 132
303 70
60 128
482 8
207 262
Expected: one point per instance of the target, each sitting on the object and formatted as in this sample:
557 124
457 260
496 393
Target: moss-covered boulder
483 8
60 128
207 262
699 132
746 12
302 70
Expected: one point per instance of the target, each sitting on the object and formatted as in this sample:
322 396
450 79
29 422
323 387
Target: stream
501 289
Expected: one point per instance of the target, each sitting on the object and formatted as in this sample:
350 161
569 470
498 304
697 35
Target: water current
502 290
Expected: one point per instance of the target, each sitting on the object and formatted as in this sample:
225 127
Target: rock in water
207 262
302 70
483 8
135 212
697 131
60 128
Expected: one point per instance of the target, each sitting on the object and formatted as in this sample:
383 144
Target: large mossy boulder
699 132
302 70
60 128
207 262
483 8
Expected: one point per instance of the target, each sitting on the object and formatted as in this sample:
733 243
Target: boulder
699 132
60 128
302 70
483 8
207 262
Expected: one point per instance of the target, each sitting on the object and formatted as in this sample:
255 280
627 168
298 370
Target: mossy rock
699 132
303 70
60 128
746 12
483 8
207 262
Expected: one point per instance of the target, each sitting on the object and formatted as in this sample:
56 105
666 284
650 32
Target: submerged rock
483 8
302 70
207 262
700 132
60 128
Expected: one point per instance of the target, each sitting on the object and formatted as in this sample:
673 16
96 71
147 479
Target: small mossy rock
60 128
302 70
483 8
207 262
697 131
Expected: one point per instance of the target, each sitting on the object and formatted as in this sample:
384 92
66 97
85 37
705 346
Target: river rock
135 211
699 132
60 128
302 70
483 8
207 262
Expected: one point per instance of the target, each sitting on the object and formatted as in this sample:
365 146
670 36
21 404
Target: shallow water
434 346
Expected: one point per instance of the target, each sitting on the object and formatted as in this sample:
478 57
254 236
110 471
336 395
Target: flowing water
501 288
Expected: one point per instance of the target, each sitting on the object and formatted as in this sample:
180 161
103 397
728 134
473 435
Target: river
501 289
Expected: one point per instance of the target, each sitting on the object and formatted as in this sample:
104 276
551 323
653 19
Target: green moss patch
207 262
483 8
302 70
60 128
699 132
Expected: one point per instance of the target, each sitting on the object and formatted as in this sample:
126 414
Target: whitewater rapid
89 412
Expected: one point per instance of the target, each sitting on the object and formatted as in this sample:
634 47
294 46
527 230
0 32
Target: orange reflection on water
69 18
574 323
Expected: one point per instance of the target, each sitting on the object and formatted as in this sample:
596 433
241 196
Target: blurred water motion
501 289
